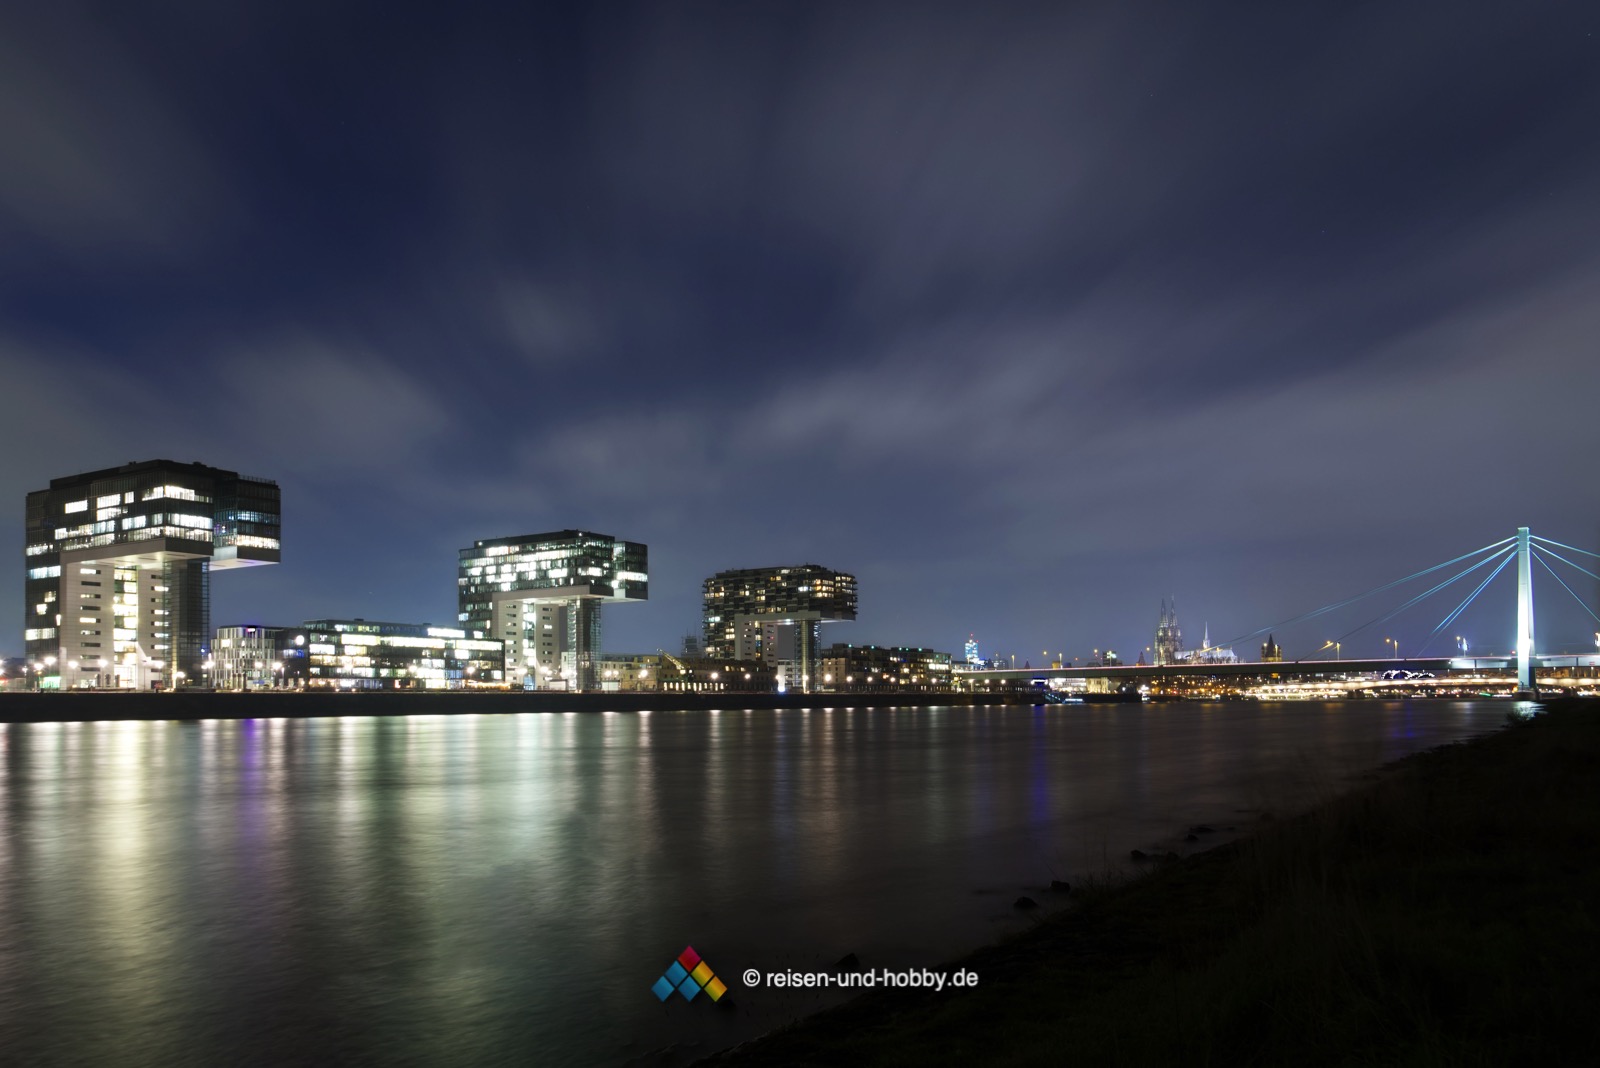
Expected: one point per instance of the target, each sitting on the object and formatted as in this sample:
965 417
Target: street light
1396 643
1334 646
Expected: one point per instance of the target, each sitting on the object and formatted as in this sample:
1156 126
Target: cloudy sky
1028 315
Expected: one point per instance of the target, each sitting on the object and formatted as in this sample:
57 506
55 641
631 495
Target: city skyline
540 592
1027 318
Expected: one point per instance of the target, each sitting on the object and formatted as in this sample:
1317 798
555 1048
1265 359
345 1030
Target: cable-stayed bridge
1477 569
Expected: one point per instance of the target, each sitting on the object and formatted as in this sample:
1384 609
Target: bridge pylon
1525 680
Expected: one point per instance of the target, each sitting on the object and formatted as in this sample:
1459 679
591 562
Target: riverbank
1441 912
88 706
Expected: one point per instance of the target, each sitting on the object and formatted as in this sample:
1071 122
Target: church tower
1169 639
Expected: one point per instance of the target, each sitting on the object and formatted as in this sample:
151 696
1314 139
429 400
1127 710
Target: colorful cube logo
689 976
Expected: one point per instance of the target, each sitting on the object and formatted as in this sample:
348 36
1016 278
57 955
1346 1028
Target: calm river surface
487 889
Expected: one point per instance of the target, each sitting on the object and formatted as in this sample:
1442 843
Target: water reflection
444 890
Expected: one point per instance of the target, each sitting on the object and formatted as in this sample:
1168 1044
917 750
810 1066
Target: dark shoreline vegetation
1444 911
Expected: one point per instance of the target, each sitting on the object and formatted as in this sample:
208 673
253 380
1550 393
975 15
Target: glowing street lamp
1396 643
1334 646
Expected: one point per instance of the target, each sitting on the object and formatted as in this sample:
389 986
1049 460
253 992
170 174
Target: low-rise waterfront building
355 654
628 672
249 657
715 674
14 673
872 667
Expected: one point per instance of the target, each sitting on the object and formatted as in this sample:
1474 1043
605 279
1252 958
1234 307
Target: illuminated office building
357 654
118 587
541 594
774 614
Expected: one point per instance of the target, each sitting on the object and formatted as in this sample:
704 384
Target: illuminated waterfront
470 889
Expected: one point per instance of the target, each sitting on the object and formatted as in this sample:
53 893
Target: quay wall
199 704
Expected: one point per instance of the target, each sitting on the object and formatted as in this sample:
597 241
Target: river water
485 889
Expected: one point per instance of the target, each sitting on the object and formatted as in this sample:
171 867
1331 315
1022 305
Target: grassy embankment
1445 912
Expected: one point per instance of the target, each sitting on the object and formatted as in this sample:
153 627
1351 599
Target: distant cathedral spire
1169 639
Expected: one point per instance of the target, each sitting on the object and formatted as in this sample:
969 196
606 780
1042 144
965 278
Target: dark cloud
1029 314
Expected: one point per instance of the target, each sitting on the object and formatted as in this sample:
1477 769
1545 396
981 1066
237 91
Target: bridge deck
1267 669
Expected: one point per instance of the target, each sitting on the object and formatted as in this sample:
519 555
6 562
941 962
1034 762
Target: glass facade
118 563
354 654
541 594
248 657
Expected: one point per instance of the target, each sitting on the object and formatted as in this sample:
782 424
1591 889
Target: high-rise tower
118 586
774 614
541 595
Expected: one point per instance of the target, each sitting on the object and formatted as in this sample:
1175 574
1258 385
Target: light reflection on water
498 888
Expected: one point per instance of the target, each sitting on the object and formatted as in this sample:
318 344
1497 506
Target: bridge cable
1540 557
1560 545
1462 607
1569 563
1361 596
1426 594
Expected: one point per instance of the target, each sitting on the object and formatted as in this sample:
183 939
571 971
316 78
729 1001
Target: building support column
808 637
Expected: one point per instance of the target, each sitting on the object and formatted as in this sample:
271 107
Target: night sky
1029 316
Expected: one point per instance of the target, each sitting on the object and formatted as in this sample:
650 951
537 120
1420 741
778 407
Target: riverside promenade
81 707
